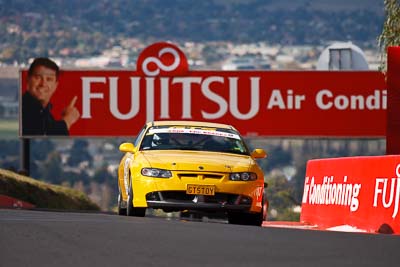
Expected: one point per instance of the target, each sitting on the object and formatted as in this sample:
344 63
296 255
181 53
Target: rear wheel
130 209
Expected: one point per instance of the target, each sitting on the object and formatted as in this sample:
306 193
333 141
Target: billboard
257 103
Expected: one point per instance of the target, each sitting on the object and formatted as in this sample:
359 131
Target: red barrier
10 202
358 192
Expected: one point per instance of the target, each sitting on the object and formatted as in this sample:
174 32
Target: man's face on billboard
42 84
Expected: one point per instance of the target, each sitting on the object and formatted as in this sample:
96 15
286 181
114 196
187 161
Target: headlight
243 176
156 173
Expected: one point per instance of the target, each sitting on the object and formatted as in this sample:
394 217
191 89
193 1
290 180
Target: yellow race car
189 165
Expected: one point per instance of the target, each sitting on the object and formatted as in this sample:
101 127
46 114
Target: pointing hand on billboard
71 113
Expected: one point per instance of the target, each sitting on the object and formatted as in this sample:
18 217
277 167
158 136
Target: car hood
195 161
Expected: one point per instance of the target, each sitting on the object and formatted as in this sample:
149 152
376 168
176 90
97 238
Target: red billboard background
257 103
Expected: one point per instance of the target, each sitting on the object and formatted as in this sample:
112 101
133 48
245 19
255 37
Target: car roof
191 123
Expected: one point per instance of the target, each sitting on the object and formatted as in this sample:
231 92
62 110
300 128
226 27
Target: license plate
196 189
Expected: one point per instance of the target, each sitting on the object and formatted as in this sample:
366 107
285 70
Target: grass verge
43 195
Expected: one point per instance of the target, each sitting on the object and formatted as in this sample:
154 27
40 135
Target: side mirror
127 147
258 153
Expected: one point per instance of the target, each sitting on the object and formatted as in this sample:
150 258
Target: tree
41 149
79 153
101 174
9 148
279 158
281 201
39 152
51 169
390 35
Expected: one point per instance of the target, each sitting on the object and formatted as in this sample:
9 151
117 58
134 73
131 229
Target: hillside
43 195
83 28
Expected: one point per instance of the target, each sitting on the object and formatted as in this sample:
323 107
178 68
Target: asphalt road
57 239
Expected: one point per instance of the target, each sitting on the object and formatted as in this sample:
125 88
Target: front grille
175 195
200 176
181 196
213 176
187 175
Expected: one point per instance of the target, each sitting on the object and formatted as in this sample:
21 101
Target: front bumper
229 195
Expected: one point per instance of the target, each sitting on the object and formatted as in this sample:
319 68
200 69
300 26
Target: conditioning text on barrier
387 192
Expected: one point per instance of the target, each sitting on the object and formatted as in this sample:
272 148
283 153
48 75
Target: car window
191 138
139 137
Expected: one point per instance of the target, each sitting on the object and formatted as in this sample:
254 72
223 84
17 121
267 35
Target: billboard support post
25 156
393 101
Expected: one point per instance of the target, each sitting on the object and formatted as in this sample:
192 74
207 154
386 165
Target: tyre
265 206
235 218
130 209
121 204
258 218
255 219
245 218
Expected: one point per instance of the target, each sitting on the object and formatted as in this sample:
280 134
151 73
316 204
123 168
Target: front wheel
121 204
245 218
265 206
250 218
131 210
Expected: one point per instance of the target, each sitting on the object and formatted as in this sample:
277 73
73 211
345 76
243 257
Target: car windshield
193 138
